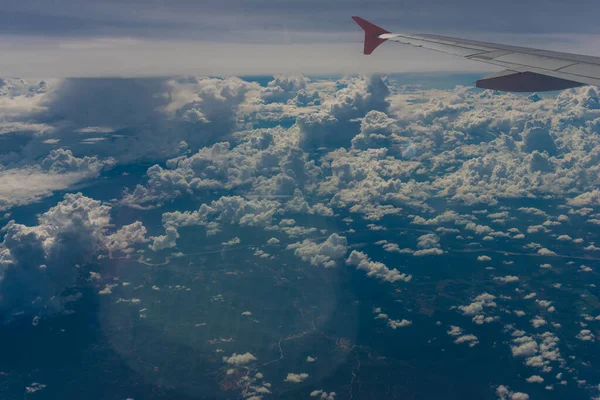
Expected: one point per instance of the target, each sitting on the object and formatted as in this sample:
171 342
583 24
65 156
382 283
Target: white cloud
325 254
125 238
504 393
429 245
585 335
323 395
39 262
335 124
296 378
34 387
394 323
225 210
484 300
591 198
23 184
239 359
232 241
538 322
546 252
535 379
375 269
166 241
461 338
524 346
471 340
507 278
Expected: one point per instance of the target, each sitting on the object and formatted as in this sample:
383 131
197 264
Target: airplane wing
527 70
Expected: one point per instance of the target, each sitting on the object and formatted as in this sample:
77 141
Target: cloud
375 269
538 322
283 88
504 393
376 130
479 304
226 210
126 119
126 237
263 162
336 122
239 359
524 346
470 339
166 241
536 136
39 262
394 323
232 241
546 252
296 378
461 338
585 335
429 245
507 279
325 254
24 184
323 395
591 198
535 379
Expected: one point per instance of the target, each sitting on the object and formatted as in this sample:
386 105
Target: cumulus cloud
22 184
429 245
461 338
325 254
131 119
125 238
591 198
376 130
239 359
39 262
546 252
507 278
296 378
375 269
524 346
323 395
226 210
482 301
166 241
535 379
283 88
504 393
394 323
585 335
335 124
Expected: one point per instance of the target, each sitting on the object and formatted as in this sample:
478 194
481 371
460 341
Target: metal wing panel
583 69
532 60
518 49
572 67
525 82
443 46
588 80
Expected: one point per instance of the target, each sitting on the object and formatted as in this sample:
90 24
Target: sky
73 38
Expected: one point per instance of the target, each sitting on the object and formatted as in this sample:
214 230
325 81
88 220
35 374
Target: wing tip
372 32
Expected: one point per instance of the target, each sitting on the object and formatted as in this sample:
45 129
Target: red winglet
372 33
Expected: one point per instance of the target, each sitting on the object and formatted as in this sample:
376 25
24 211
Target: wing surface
526 68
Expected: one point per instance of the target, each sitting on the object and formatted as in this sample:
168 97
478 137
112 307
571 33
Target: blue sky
232 37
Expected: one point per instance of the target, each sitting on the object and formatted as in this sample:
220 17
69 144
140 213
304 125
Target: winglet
372 33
